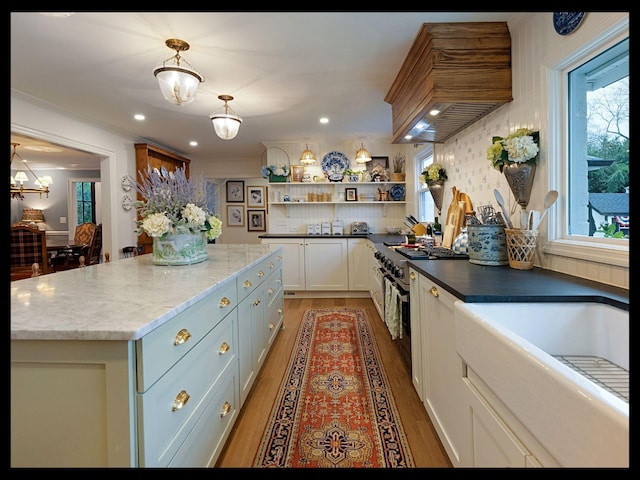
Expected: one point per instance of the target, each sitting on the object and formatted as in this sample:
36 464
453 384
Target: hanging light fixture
226 124
362 155
308 157
177 82
17 183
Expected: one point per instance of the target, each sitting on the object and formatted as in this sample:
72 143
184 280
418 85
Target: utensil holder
521 247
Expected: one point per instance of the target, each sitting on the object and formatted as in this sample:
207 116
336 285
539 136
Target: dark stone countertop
474 283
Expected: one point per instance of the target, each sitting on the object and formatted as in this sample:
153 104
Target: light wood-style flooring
247 432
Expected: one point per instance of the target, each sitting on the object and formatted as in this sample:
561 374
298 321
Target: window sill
614 255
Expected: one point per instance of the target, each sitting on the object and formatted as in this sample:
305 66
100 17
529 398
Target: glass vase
180 249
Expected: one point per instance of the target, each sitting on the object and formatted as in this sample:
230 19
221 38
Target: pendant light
307 157
178 83
17 182
226 124
362 155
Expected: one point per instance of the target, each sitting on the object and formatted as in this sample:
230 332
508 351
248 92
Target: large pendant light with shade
363 155
307 157
178 82
226 124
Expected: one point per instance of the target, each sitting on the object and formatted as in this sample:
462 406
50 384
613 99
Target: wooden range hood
461 69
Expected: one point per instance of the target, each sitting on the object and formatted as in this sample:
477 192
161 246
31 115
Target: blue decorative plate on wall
397 192
334 164
567 22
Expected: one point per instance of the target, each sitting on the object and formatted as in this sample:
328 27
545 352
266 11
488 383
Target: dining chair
95 247
27 245
83 236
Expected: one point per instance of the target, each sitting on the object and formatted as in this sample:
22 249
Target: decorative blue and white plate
334 163
566 22
397 192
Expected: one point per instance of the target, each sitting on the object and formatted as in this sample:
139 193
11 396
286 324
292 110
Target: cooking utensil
505 212
549 199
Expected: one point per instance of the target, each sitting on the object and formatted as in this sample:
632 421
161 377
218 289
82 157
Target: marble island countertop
120 300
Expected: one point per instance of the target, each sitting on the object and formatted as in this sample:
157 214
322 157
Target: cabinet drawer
163 347
273 288
205 441
163 425
248 281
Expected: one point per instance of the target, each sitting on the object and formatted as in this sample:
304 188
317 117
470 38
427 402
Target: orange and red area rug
335 408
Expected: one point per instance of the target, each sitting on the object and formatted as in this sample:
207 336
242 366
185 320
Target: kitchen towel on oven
392 309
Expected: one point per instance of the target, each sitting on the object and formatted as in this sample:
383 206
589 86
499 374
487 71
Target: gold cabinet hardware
181 337
270 291
224 302
278 281
257 302
271 325
434 291
247 284
271 265
280 311
224 348
412 275
260 274
180 401
279 258
225 410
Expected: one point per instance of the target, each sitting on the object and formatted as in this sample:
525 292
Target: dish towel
392 309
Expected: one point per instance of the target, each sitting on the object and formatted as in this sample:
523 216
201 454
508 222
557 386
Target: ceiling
285 70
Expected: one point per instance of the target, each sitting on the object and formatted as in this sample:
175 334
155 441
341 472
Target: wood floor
246 435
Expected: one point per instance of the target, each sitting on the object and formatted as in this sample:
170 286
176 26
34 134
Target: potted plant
275 173
353 175
398 174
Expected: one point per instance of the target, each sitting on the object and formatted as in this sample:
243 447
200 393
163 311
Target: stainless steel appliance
359 228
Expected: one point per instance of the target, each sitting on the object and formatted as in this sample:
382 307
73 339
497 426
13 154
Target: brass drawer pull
224 302
224 348
434 291
271 265
271 325
257 302
181 337
280 311
247 284
225 410
278 281
270 291
412 275
260 274
180 401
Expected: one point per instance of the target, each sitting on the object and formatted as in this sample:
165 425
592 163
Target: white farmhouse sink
511 346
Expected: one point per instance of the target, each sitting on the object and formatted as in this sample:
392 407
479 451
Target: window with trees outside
426 207
598 149
85 202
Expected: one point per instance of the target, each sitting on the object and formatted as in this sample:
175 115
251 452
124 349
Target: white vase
180 249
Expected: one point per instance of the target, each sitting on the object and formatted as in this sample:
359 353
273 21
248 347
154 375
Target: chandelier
226 124
307 157
17 182
178 83
363 155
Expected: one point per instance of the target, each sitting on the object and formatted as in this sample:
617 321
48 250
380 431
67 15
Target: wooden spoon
549 199
505 212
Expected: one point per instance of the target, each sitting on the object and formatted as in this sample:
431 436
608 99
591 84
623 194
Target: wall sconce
226 124
177 82
362 155
307 157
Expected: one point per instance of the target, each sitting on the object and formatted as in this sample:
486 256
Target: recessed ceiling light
193 143
139 116
324 120
434 112
408 137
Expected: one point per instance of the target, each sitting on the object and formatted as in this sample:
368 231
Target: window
85 202
598 147
426 206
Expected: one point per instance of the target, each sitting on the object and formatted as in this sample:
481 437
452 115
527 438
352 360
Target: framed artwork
351 194
378 163
235 191
256 197
297 172
235 215
256 221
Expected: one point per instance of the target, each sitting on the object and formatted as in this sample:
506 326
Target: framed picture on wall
351 194
256 221
235 191
256 197
297 172
378 163
235 215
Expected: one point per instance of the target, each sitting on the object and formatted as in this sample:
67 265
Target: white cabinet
358 252
443 370
417 362
313 263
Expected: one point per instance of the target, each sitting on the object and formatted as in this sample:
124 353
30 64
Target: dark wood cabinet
156 157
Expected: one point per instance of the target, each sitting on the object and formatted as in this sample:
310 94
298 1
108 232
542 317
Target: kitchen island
127 363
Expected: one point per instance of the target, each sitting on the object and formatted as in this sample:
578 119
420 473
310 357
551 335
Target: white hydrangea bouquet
173 204
279 171
522 146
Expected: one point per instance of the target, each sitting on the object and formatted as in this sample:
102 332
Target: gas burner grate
600 371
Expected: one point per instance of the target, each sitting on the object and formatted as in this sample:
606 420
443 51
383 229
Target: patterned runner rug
335 408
